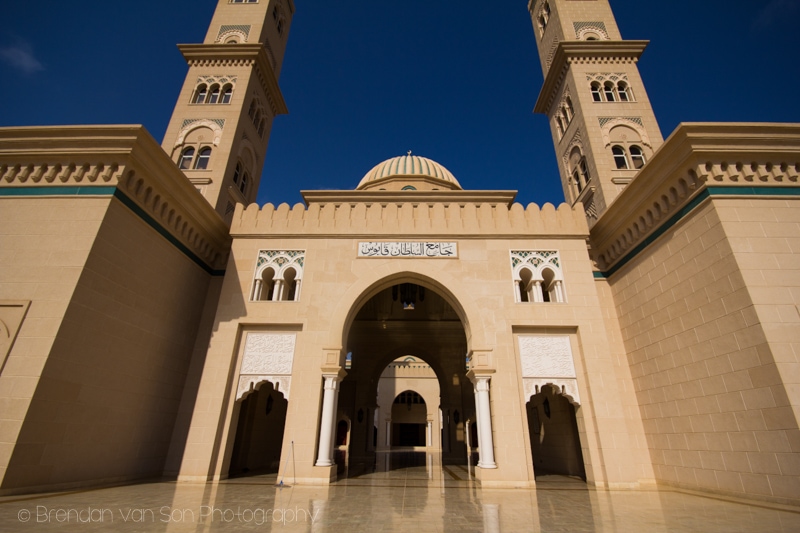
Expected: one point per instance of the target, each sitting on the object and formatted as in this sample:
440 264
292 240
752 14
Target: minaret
603 125
220 127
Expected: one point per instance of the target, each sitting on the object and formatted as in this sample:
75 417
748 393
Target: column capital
480 376
333 375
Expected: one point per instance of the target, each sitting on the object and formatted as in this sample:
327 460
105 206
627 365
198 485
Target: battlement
417 218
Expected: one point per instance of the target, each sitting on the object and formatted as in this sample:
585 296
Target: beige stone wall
44 244
111 372
478 284
707 314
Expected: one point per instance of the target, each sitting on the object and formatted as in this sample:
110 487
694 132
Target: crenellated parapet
120 161
698 161
418 218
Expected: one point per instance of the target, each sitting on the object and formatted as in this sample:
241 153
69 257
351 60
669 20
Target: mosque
155 322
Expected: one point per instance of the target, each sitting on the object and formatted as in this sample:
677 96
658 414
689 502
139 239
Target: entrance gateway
433 320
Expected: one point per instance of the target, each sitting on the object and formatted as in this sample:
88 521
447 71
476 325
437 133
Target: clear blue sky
368 80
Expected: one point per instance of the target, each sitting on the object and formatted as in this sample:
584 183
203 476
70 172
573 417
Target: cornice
239 54
414 197
698 160
123 159
572 52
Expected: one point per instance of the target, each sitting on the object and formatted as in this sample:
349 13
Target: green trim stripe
57 191
688 208
119 195
153 223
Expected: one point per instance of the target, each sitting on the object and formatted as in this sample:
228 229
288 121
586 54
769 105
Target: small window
252 111
624 92
569 111
261 126
213 97
609 92
577 178
559 126
200 94
637 157
409 188
596 93
202 159
186 159
620 157
584 171
227 93
243 183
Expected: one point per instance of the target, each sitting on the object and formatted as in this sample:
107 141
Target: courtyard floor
405 492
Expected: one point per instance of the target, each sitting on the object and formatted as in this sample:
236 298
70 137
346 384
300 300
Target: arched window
620 157
596 92
637 156
265 287
576 177
568 109
227 93
244 182
548 286
261 126
546 12
186 159
290 285
202 159
525 284
200 94
213 96
537 276
622 91
252 111
610 93
559 126
584 170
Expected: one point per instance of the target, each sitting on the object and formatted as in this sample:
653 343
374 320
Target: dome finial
409 152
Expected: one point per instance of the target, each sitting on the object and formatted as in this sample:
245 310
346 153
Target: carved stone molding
547 360
267 357
564 386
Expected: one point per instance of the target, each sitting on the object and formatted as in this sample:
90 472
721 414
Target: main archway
400 320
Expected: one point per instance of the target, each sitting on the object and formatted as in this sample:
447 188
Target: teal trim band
141 213
753 191
57 191
685 210
598 275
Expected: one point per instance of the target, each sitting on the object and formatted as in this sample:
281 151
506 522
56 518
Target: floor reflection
399 492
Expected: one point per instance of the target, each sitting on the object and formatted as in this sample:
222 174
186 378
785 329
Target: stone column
297 289
537 292
484 422
276 292
326 427
429 433
257 290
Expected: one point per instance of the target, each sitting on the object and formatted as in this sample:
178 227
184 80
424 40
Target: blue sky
368 80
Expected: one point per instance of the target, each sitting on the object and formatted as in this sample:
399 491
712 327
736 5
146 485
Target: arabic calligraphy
407 249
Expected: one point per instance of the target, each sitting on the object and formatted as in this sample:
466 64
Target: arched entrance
409 421
259 432
554 437
412 332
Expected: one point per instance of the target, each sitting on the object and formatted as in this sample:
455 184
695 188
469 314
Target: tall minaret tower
604 129
220 127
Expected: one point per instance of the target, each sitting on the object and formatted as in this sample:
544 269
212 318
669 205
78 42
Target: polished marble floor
401 492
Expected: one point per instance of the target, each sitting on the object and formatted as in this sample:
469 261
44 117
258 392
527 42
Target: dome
411 168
